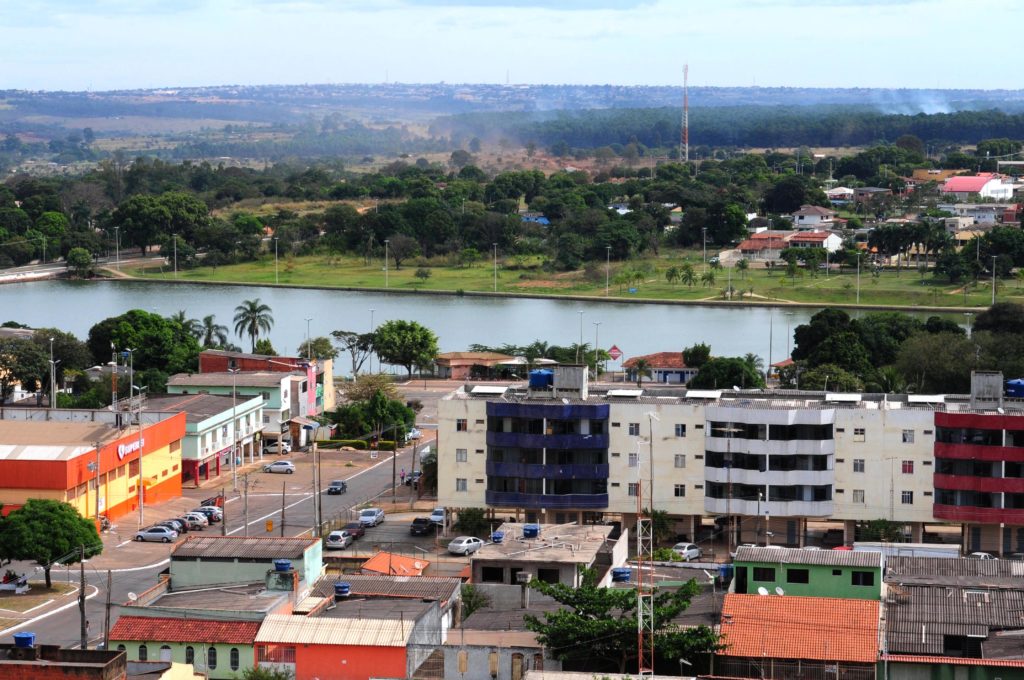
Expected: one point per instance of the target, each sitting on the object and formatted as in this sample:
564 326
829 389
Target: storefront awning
299 420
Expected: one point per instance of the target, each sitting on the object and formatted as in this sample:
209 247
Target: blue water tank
725 572
342 589
283 565
531 530
25 640
541 378
621 574
498 537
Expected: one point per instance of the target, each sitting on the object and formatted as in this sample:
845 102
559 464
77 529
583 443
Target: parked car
413 478
212 512
982 556
195 524
421 526
199 517
371 517
465 545
437 516
189 526
688 551
337 487
338 540
414 434
280 446
175 524
158 533
285 467
355 530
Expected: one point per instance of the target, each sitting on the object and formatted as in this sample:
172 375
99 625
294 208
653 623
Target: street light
970 326
175 237
117 246
277 279
705 231
53 377
234 428
597 352
858 277
371 331
386 242
607 268
495 267
579 348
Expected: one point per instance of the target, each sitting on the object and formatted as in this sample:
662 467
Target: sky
117 44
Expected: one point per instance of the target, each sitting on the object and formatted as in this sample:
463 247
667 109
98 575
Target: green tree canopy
725 372
157 342
405 343
21 361
45 531
318 348
697 355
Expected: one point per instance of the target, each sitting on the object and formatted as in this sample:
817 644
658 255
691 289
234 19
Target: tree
376 415
687 274
141 219
70 353
830 377
404 343
45 531
642 368
597 626
938 363
80 260
266 673
21 362
473 521
265 347
708 278
1002 317
742 265
401 248
156 342
881 530
472 600
697 355
251 318
726 372
318 348
358 345
363 387
422 273
212 333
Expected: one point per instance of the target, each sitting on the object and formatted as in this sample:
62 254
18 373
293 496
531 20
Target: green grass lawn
906 289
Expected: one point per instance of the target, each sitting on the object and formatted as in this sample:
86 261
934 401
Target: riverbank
888 290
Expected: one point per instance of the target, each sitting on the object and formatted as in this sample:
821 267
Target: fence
774 669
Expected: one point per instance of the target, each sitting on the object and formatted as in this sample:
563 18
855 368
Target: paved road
136 566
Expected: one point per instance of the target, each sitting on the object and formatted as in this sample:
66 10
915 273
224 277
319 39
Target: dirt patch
39 594
542 283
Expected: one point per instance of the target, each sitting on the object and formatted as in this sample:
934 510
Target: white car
285 467
371 517
199 518
688 551
414 435
338 540
465 545
982 556
278 447
437 516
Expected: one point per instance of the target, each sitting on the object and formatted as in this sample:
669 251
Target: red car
355 530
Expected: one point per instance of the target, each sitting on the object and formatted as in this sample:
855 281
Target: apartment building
758 461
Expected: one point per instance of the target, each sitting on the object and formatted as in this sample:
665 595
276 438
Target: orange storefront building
57 459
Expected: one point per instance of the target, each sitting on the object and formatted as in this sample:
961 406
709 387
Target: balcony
983 484
970 513
761 447
580 501
978 452
720 506
549 411
770 477
547 441
528 471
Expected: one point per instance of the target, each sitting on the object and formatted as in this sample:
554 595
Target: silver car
465 545
338 540
282 466
160 534
371 517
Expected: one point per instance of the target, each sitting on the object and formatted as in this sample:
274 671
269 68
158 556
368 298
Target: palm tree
742 265
191 326
642 368
672 275
888 379
212 334
708 278
687 274
754 361
252 317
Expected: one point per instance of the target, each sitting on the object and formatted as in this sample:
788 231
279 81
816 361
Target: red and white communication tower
644 562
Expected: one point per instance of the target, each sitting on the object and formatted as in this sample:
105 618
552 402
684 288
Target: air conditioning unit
524 577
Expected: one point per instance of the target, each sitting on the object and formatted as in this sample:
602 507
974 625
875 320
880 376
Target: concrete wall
223 668
477 661
191 573
509 597
427 635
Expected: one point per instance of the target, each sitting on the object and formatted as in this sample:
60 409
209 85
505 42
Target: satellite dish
762 591
132 597
417 564
779 590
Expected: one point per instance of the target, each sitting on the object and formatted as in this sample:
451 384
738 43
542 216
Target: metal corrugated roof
955 572
829 558
316 630
418 587
244 547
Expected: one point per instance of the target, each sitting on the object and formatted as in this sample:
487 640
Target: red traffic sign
615 353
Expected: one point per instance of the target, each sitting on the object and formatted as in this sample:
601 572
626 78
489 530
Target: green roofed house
809 573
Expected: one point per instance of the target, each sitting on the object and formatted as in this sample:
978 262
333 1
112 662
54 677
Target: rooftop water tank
531 530
25 640
498 537
541 378
341 589
621 574
283 565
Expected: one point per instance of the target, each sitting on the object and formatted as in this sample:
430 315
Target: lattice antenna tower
645 559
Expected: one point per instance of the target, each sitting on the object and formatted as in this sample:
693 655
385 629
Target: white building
813 217
984 185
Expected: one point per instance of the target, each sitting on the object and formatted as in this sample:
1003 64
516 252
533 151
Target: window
190 654
907 498
460 484
211 658
908 436
143 653
858 465
234 658
634 429
862 578
680 460
764 573
133 468
798 576
634 489
460 425
858 496
634 459
837 572
858 434
908 467
122 648
680 490
680 429
266 419
460 456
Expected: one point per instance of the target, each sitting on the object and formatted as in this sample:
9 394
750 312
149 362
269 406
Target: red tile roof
814 210
791 627
395 565
659 360
955 660
159 629
811 236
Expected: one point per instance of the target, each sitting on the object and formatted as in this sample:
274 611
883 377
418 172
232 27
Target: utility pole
245 504
81 598
106 616
223 515
282 509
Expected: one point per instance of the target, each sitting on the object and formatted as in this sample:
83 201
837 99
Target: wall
822 581
223 669
427 635
926 671
478 661
504 596
348 662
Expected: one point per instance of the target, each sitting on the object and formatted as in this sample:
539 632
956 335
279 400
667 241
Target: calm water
458 321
